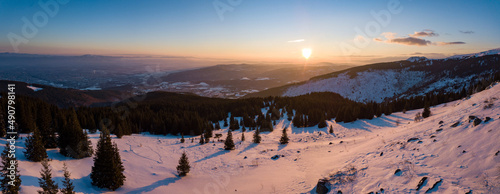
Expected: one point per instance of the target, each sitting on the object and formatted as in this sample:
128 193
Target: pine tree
67 184
107 171
44 120
256 136
72 140
202 140
182 138
35 149
284 137
242 136
48 185
183 167
427 111
331 129
8 163
229 143
322 123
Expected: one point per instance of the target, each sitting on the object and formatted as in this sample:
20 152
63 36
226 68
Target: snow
489 52
150 160
416 59
366 86
34 88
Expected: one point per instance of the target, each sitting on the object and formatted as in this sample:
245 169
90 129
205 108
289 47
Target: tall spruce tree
229 143
72 140
427 111
284 137
107 171
331 129
256 136
48 185
183 167
68 187
9 165
44 123
242 136
35 148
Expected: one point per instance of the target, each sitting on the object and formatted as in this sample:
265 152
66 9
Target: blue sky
256 30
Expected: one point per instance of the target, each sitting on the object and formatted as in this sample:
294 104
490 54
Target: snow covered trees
9 169
229 143
183 167
35 148
46 183
107 171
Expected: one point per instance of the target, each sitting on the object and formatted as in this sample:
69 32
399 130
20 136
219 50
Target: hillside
412 77
368 152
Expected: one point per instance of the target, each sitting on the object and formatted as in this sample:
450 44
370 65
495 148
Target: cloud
295 41
413 39
410 41
449 43
467 32
425 33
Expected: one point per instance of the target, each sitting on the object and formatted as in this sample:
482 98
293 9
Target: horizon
338 32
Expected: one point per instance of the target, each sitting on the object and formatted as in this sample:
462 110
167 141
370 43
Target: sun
306 52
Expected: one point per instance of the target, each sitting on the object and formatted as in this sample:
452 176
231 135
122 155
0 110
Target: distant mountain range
411 77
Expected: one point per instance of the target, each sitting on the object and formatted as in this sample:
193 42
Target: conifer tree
322 123
183 167
35 149
44 123
427 111
284 137
107 171
8 185
229 143
331 129
48 185
72 140
242 136
256 136
182 138
202 140
67 184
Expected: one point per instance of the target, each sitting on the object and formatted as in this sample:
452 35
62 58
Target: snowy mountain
412 77
489 52
389 154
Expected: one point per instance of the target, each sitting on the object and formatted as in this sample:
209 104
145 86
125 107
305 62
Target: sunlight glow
306 52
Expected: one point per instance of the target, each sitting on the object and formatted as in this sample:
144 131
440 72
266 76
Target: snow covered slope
464 157
411 77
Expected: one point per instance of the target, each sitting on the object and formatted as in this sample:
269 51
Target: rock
441 122
341 142
330 143
438 130
275 157
412 139
456 124
421 183
321 186
496 154
433 136
397 172
381 153
298 151
477 121
487 119
245 157
464 151
471 118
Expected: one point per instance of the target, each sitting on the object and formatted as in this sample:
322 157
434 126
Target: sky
336 31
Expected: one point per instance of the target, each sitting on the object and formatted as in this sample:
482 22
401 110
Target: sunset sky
355 32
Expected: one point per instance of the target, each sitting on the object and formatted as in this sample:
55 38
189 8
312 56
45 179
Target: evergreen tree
202 140
48 185
427 111
182 138
242 136
331 129
183 167
284 137
67 184
44 123
8 185
229 143
322 123
72 140
35 149
256 136
107 171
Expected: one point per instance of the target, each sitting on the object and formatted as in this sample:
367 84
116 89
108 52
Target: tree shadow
252 145
281 146
155 185
221 152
